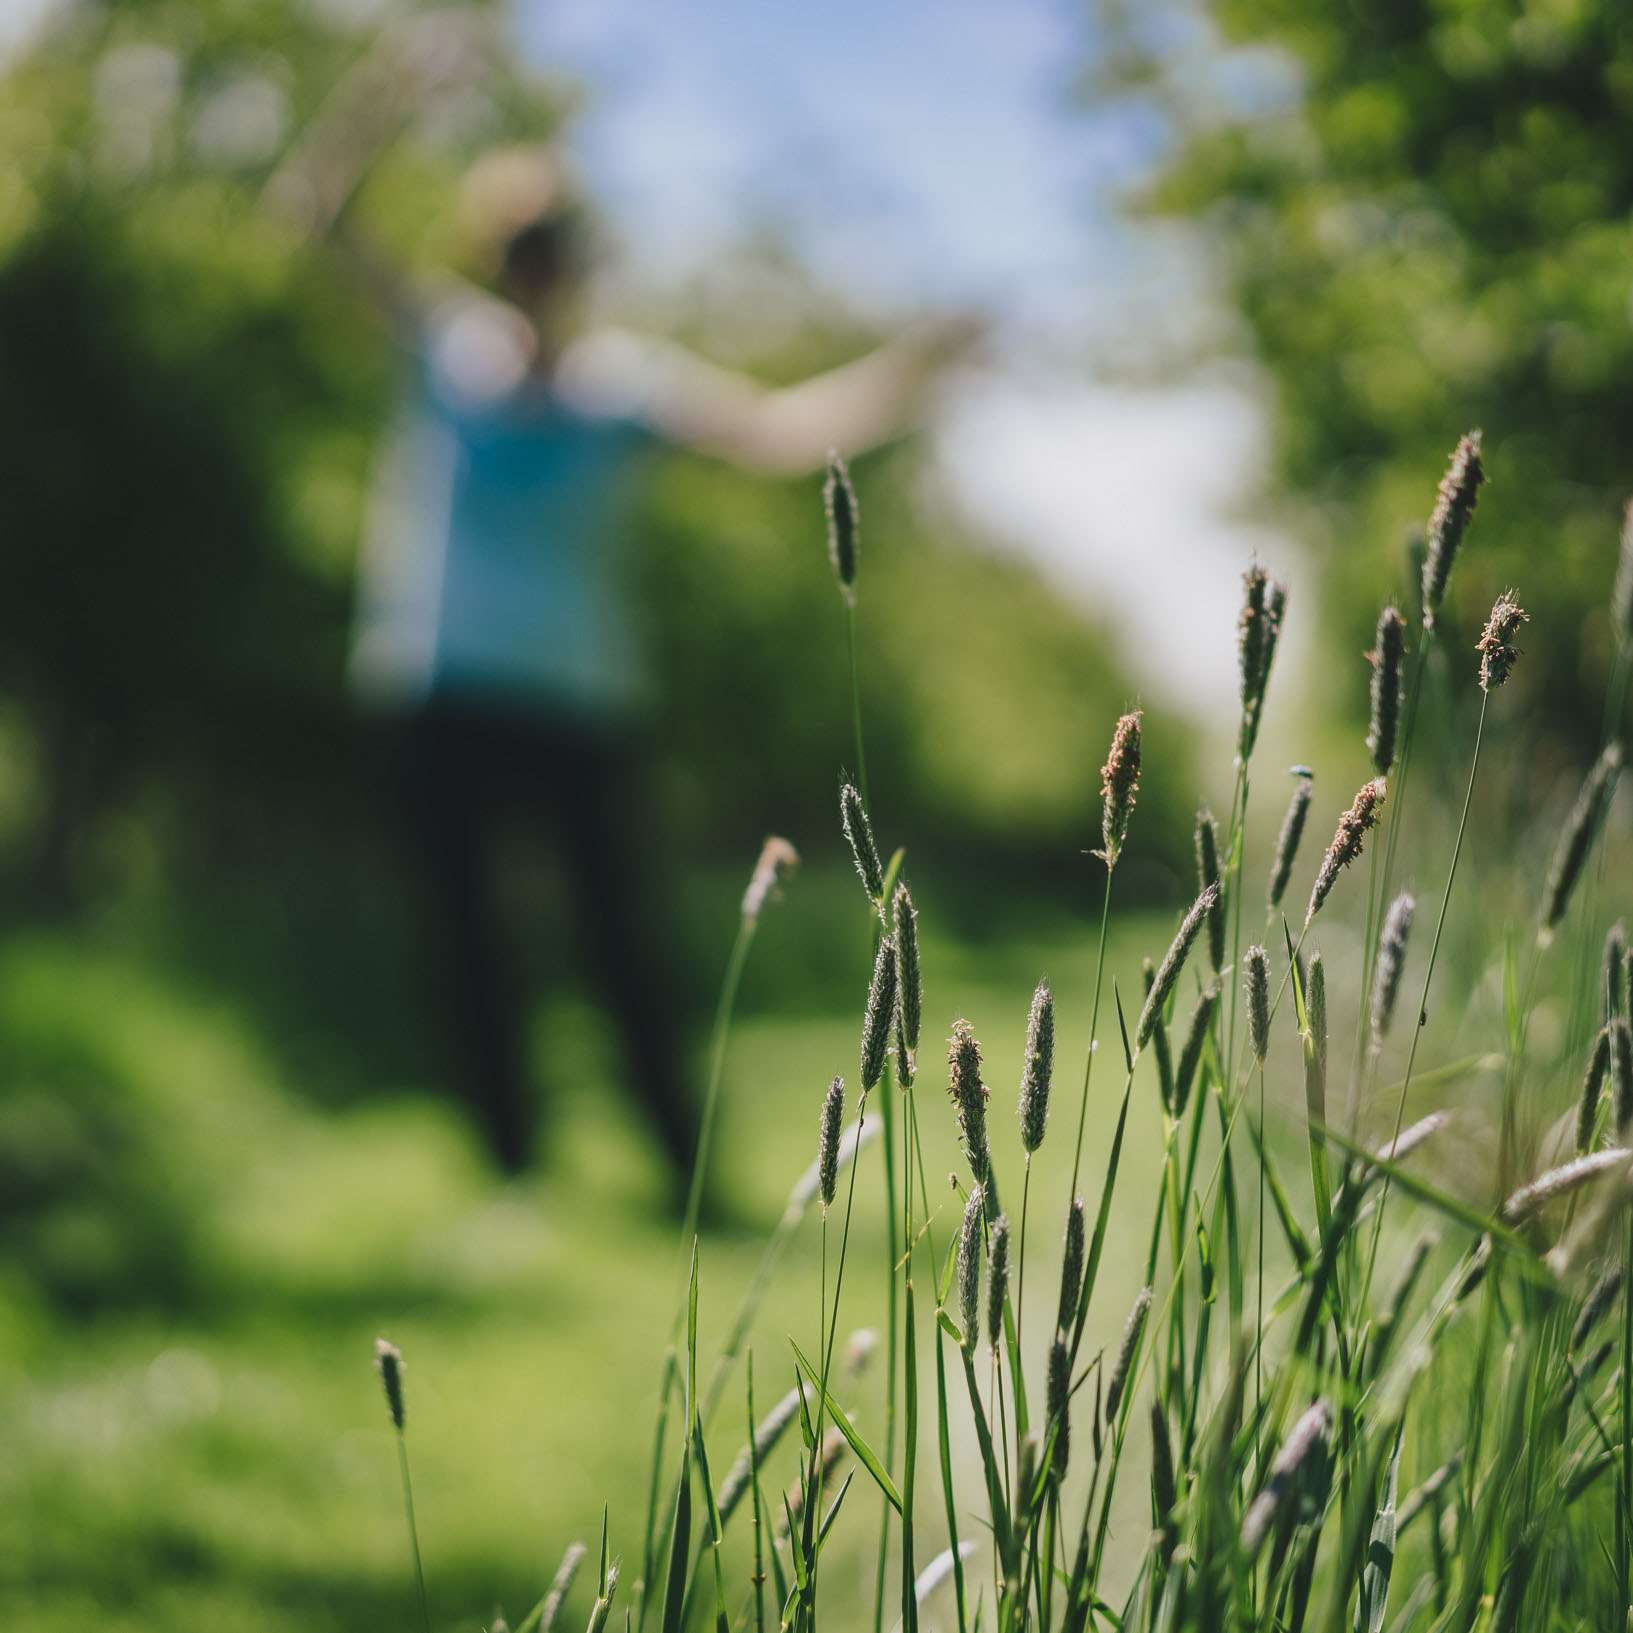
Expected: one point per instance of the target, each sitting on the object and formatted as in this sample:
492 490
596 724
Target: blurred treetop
1432 233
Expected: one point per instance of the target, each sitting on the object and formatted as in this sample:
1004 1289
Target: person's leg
451 790
626 923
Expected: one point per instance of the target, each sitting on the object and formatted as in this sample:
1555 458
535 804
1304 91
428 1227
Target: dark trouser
471 768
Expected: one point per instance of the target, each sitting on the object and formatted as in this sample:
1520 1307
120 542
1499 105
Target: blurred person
494 621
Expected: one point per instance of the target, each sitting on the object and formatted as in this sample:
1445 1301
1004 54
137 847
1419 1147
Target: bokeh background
1245 269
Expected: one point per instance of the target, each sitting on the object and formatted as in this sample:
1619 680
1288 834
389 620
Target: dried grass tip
777 860
1346 842
1119 782
1454 506
1498 654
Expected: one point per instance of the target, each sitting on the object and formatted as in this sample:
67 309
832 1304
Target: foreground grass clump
1228 1449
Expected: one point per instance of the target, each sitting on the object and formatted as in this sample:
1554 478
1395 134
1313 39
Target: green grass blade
680 1545
1380 1560
910 1444
864 1452
944 1450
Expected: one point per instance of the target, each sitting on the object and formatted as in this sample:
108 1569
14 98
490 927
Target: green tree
1431 232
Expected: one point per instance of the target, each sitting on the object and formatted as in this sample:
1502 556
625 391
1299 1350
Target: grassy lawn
204 1445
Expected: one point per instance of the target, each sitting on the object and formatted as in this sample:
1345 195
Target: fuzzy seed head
997 1277
1598 1301
1298 1462
1071 1267
909 979
969 1267
1386 980
1388 649
1159 1044
1119 781
389 1360
1173 961
1164 1494
1498 654
853 818
833 1118
969 1096
839 500
561 1584
1346 842
1561 1181
1190 1057
1207 872
1576 839
1621 1072
881 1011
1127 1351
777 860
1038 1067
1621 597
1454 505
1264 606
1613 972
1292 831
1593 1085
1060 1404
1258 1002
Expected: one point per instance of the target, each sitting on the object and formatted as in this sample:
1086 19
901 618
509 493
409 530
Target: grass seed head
1258 1002
833 1117
997 1278
859 835
767 1433
1594 1306
969 1267
1346 842
1593 1086
909 980
881 1011
1386 981
1159 1043
1264 606
1621 1072
561 1585
1498 654
1190 1057
1173 961
839 500
1119 782
1297 1466
1164 1492
1207 872
1292 831
1576 839
1038 1067
1315 1006
1071 1267
1388 651
969 1096
1060 1405
1127 1350
389 1360
1613 973
1454 505
777 860
1561 1181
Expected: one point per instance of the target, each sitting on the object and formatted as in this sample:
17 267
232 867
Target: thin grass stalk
1094 1026
1423 996
758 1579
413 1532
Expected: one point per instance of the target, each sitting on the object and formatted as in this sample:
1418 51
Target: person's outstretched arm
784 431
